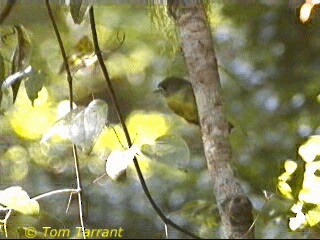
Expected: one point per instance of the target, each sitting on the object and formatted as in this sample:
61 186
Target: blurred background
268 64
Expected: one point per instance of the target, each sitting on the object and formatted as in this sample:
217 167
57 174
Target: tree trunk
197 44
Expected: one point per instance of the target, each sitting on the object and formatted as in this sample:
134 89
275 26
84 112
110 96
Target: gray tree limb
197 44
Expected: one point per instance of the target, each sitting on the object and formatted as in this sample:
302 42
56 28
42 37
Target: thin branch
6 10
125 129
69 78
69 203
98 178
76 165
67 190
63 52
267 200
5 220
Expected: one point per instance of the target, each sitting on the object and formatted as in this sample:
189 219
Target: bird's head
172 85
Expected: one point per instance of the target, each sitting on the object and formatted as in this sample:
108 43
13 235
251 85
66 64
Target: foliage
268 65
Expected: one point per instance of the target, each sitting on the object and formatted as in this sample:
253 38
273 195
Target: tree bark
197 44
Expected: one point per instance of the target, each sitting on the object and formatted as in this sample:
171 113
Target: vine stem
125 129
69 79
48 194
6 10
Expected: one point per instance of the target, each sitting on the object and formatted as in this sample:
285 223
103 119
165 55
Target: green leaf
168 149
78 8
21 56
201 212
2 74
34 84
81 126
118 162
16 198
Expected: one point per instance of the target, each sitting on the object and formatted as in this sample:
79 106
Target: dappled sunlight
143 127
31 122
268 81
135 62
307 206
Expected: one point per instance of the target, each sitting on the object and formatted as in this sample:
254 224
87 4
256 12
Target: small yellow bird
179 96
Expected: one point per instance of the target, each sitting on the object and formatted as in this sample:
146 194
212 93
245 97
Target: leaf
16 77
201 212
82 57
6 87
33 85
118 162
78 9
84 45
21 56
168 149
81 126
2 74
16 198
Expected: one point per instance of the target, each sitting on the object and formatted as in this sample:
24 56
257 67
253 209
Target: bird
179 96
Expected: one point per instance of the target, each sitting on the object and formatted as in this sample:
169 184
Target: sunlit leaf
298 221
290 166
310 192
83 56
82 125
78 8
31 122
305 12
285 189
79 61
168 149
34 84
310 149
313 216
16 198
21 56
144 128
118 162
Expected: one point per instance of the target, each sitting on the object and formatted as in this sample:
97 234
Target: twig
6 10
5 220
267 200
69 78
67 190
125 129
69 202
